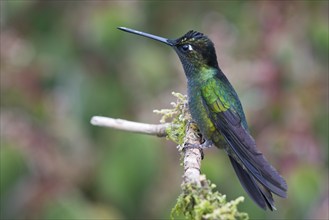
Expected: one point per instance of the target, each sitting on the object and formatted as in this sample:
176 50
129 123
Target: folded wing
244 155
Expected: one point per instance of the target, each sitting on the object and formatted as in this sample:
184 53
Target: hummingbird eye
187 47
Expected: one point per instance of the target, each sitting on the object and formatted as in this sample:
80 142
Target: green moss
202 202
178 117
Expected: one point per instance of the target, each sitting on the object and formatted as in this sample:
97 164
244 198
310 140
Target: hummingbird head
195 50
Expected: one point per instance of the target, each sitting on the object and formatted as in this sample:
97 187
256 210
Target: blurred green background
64 61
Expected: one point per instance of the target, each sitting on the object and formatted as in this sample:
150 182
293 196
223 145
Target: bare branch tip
94 120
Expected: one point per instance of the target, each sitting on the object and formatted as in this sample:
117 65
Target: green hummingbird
215 107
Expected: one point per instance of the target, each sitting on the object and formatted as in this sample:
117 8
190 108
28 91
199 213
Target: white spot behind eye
190 47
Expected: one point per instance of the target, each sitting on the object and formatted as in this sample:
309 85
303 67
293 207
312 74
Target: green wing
225 111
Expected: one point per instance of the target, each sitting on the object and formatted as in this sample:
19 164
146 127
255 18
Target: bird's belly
200 116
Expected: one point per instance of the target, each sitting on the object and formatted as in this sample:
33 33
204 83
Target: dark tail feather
261 196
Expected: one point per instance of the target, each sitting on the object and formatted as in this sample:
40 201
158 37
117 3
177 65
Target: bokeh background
64 61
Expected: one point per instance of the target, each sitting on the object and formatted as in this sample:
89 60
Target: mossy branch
198 199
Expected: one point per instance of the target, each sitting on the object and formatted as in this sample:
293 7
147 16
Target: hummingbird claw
206 144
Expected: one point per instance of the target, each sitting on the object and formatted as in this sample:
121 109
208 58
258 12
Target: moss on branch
203 202
178 117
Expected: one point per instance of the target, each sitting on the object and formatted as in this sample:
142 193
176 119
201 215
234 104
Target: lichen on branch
203 202
178 117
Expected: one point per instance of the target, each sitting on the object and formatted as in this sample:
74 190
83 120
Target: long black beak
154 37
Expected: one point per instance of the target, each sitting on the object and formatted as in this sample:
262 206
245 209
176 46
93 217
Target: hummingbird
216 109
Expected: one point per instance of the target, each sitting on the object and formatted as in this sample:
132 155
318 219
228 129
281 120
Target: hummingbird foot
207 144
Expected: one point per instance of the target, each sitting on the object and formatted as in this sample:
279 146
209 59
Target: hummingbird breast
200 115
199 112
